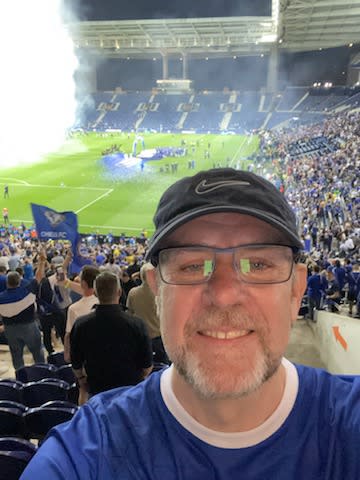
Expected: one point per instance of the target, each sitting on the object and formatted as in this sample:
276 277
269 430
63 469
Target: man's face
226 337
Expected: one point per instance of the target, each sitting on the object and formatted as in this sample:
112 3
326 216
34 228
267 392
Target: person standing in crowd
228 286
17 309
14 259
141 302
333 291
5 216
3 271
53 299
109 348
315 290
83 306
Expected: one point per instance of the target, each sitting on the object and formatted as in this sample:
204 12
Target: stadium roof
295 25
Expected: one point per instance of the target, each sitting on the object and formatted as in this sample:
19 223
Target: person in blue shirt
315 290
228 286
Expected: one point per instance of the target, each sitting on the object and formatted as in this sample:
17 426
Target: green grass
72 179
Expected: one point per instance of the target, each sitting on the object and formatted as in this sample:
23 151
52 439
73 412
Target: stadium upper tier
213 111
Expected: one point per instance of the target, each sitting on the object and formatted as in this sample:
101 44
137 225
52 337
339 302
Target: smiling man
228 287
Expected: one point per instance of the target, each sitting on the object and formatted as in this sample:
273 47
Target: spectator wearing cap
228 286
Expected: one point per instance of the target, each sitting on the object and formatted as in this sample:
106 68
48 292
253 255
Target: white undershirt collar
233 440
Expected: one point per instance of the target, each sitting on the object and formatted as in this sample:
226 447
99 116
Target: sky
147 9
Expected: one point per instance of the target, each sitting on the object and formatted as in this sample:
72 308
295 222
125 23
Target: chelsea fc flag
54 225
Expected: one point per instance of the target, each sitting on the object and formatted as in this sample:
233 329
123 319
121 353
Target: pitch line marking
237 151
25 184
94 201
16 180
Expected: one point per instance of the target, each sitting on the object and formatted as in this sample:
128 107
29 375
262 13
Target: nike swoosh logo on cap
205 187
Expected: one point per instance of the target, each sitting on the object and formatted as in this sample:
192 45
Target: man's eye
193 267
257 266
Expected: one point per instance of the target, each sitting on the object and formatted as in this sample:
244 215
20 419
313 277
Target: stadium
273 91
119 193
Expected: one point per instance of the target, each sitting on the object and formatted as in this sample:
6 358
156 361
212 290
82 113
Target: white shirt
81 307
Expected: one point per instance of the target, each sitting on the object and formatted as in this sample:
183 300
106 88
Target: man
53 300
315 290
141 302
5 216
6 191
228 287
17 308
3 271
83 306
14 259
109 348
333 292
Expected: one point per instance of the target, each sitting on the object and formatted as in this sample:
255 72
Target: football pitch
111 199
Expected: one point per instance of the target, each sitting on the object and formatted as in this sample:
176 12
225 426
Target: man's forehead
221 225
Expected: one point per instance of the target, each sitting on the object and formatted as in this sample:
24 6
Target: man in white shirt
82 306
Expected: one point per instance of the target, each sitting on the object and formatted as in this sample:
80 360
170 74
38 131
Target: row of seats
34 394
15 453
39 371
17 420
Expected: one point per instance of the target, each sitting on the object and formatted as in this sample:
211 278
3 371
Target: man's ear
298 289
152 280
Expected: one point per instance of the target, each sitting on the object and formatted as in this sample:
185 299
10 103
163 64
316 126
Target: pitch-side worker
228 286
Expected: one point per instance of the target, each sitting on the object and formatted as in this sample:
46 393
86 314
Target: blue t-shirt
315 286
129 433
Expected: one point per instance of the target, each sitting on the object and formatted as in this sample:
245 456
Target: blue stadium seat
36 372
13 444
11 422
57 359
38 393
10 391
11 404
66 373
73 393
60 404
38 421
12 464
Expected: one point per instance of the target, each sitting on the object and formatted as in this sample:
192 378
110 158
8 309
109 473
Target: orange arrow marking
340 338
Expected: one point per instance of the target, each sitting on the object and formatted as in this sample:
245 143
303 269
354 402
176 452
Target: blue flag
54 225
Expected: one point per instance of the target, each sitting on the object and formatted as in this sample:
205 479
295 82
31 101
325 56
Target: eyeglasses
254 264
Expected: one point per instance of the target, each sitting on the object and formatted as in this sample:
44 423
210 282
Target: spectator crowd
321 180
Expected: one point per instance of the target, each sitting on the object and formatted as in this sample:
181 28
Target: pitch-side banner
54 225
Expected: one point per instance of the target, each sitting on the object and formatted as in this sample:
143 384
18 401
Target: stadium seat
11 404
38 421
10 391
73 394
36 394
11 422
60 404
12 464
66 373
13 444
36 372
57 359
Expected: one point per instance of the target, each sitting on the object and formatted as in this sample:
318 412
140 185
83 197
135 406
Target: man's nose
225 288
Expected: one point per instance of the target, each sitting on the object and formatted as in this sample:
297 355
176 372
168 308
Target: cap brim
157 239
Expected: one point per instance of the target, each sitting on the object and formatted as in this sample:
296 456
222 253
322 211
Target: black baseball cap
222 190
